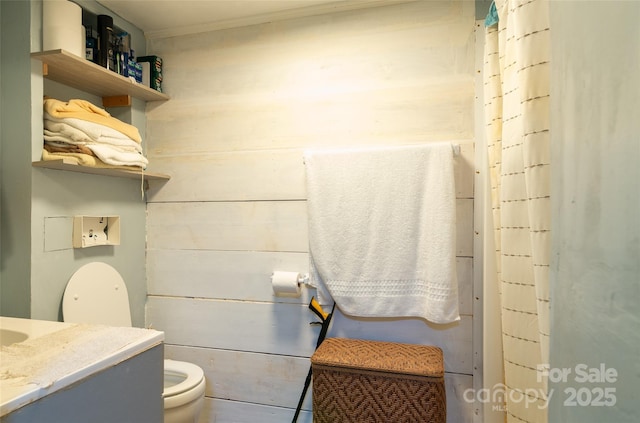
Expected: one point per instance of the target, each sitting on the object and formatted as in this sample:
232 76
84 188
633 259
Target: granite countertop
58 354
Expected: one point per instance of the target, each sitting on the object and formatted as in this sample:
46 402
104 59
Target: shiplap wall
245 103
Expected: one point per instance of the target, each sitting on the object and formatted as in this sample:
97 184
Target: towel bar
454 147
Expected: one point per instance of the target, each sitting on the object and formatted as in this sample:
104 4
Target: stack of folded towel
89 135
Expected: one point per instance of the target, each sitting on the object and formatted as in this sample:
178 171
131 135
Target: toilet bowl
97 294
184 385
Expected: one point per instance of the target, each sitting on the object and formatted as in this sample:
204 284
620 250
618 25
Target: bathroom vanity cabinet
130 391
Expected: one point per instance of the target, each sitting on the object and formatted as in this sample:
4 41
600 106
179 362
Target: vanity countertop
48 356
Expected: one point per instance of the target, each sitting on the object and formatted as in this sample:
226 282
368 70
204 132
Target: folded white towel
113 156
57 137
96 134
382 226
109 154
94 130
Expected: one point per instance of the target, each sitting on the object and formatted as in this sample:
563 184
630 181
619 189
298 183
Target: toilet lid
96 294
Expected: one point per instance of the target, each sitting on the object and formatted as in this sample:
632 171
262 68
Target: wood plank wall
245 104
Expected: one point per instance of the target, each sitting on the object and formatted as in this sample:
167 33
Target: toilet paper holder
303 278
288 284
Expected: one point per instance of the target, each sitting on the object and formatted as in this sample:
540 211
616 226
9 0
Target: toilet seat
189 390
189 375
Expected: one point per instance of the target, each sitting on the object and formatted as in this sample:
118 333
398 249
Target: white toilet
97 294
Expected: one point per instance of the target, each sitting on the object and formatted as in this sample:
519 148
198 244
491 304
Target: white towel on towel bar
382 225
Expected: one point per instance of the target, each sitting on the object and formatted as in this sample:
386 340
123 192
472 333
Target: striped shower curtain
516 95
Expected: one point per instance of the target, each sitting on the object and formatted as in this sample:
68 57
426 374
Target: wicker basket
359 381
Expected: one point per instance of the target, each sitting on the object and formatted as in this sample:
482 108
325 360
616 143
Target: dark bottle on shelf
105 42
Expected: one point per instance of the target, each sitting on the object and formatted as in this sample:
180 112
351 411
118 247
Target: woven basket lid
388 357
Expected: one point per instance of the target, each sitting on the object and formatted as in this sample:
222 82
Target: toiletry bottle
91 45
105 41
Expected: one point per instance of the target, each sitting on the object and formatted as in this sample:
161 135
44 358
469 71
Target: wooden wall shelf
69 165
74 71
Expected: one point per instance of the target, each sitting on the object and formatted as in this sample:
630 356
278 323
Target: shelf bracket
116 101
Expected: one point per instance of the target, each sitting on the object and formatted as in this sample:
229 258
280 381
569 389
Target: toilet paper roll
61 26
285 284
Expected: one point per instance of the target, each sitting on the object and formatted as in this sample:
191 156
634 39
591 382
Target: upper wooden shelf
80 73
69 165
